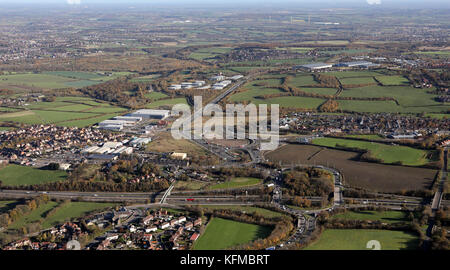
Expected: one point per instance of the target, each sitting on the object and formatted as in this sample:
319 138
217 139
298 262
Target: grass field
222 234
384 216
55 80
15 175
67 212
168 103
357 240
366 136
387 153
74 210
392 80
246 209
357 80
411 100
237 182
34 216
190 185
65 111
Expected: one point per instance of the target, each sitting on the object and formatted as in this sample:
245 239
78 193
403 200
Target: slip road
226 259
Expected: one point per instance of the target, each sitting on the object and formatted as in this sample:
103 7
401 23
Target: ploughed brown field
376 177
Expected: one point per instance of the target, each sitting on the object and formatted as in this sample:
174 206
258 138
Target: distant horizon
430 4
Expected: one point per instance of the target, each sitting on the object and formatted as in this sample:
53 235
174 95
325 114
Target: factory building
181 156
151 114
236 77
360 64
314 66
221 85
218 78
140 141
175 87
128 119
112 127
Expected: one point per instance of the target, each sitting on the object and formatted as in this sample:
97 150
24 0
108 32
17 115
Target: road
437 199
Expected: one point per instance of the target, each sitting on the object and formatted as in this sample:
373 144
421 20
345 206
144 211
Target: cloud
73 2
374 2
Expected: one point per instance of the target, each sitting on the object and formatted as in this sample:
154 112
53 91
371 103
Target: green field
65 111
34 216
55 80
357 80
373 137
411 100
15 175
166 103
387 153
237 182
74 210
67 212
392 80
332 239
384 216
246 209
223 233
155 95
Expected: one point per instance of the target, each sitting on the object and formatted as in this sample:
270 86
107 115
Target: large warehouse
315 66
151 114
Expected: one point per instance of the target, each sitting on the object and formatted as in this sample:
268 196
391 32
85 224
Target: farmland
65 111
237 182
392 92
55 80
332 239
223 234
166 103
372 176
386 153
15 175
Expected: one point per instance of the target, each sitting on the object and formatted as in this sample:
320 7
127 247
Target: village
122 229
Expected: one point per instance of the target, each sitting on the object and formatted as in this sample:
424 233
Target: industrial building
314 66
181 156
108 148
128 119
218 78
175 87
361 64
112 127
221 85
151 114
236 77
140 141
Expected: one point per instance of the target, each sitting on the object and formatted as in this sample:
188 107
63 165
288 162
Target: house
181 156
165 225
146 220
151 229
198 222
194 237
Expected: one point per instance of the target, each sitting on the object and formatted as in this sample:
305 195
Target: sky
317 3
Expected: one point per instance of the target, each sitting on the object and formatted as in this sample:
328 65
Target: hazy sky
323 3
